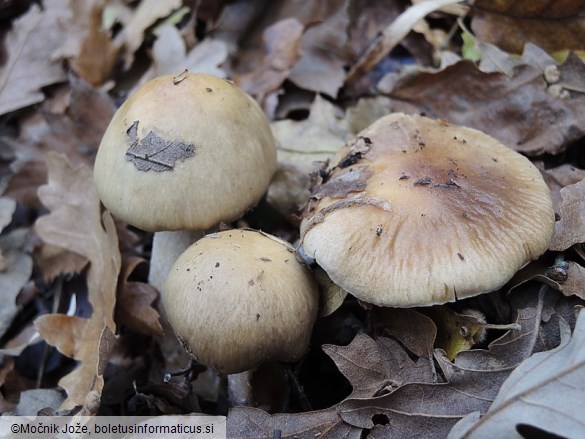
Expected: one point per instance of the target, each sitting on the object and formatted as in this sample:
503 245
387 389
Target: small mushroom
471 213
182 154
176 156
240 298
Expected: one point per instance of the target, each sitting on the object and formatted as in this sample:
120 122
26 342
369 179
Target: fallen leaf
134 307
545 391
30 45
366 111
34 400
570 229
517 110
54 261
575 283
282 48
509 24
324 53
393 34
72 122
15 274
7 208
75 222
377 367
315 139
152 152
169 53
559 177
88 46
25 338
302 147
431 409
250 423
331 295
145 15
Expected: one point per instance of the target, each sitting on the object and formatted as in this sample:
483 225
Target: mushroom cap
239 298
185 152
419 212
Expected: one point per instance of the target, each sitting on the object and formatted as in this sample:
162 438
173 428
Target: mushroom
240 298
182 154
417 212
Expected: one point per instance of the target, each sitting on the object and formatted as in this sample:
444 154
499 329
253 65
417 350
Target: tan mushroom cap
185 152
239 298
420 212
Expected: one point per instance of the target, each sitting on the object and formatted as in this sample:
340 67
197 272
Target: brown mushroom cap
420 212
240 298
185 152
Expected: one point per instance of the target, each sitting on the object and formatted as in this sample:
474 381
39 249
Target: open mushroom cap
239 298
419 212
185 152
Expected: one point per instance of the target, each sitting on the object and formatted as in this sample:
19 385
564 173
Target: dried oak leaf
518 110
431 409
282 47
72 122
134 308
559 177
30 65
377 367
152 152
33 401
552 25
545 391
568 277
88 46
75 222
321 67
15 272
146 14
250 423
169 53
15 264
570 229
301 146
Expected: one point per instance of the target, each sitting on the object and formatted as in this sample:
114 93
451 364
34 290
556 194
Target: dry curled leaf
282 46
89 46
551 24
30 64
517 110
324 52
377 367
393 34
72 122
545 391
75 222
570 229
14 274
134 308
431 409
252 423
145 15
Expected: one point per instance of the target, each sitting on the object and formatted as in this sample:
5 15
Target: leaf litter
369 371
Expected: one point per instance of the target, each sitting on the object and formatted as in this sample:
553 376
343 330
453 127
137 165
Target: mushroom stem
166 248
240 388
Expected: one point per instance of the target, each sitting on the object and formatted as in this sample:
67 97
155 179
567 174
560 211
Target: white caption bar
102 427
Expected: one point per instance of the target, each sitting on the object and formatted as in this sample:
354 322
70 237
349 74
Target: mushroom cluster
417 212
182 154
